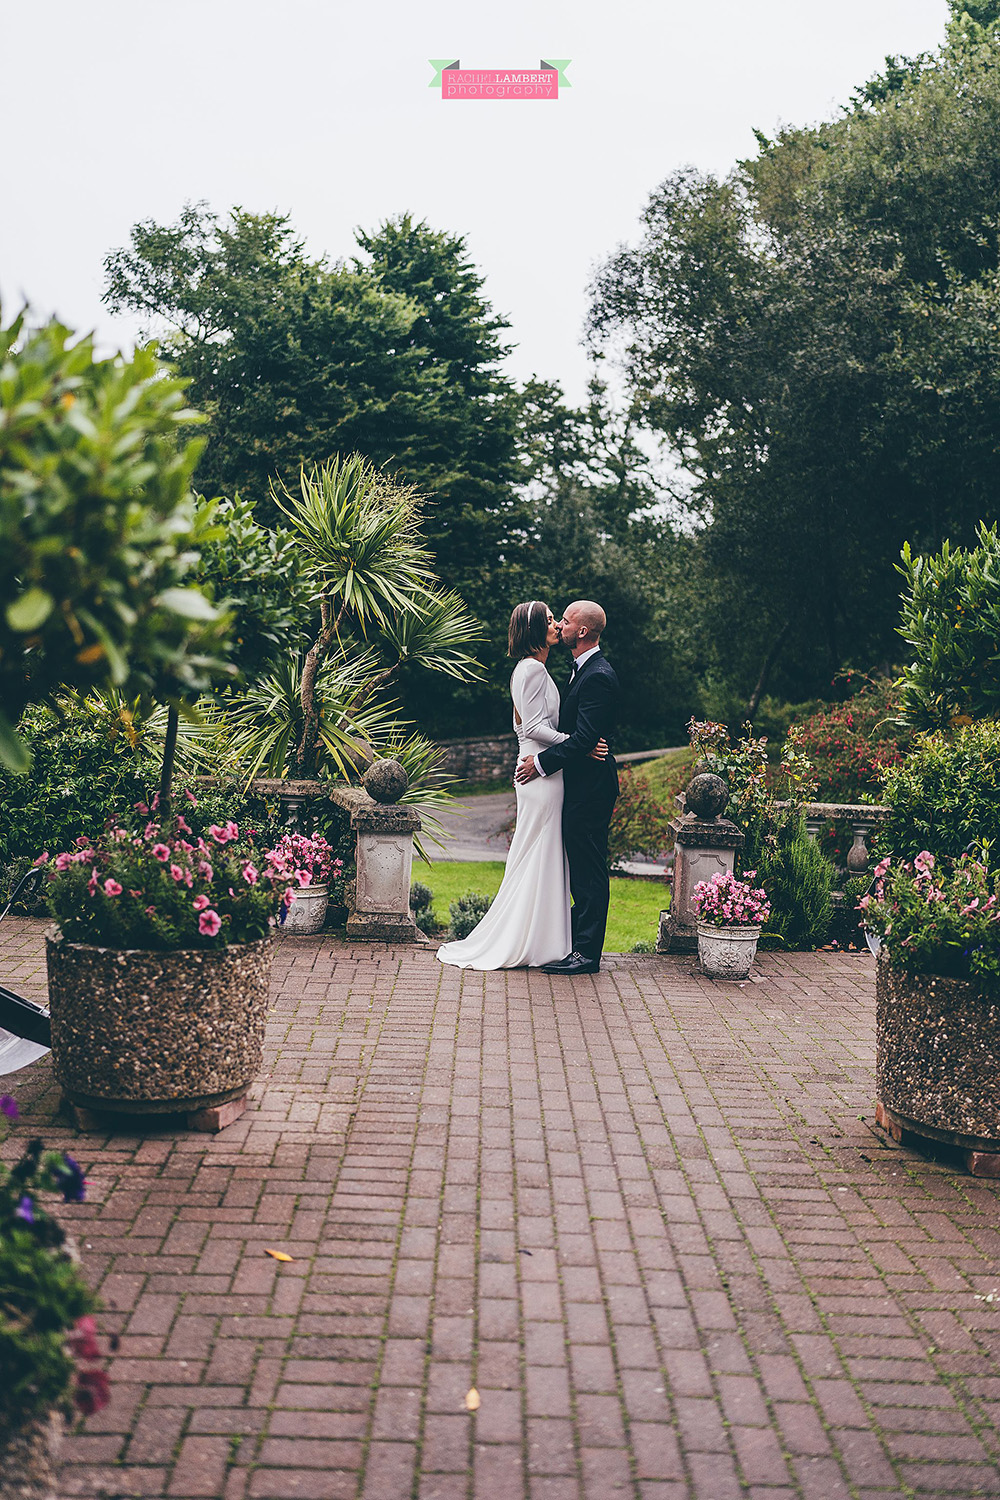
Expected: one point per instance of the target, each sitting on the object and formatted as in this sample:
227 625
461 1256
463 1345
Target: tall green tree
816 339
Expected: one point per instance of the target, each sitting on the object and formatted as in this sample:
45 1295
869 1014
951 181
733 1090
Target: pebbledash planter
307 912
141 1032
28 1459
938 1063
726 952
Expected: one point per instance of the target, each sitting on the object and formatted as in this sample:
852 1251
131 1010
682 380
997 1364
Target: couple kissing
566 783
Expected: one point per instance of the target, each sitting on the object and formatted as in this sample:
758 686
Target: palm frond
435 634
428 782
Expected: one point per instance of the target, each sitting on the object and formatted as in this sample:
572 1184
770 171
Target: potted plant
50 1361
730 915
307 861
938 998
158 975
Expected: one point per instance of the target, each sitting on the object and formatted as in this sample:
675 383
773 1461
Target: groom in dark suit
588 713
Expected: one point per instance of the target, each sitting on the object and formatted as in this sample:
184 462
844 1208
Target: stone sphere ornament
385 781
707 795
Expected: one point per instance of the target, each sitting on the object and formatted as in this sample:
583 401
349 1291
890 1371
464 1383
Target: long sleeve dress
528 923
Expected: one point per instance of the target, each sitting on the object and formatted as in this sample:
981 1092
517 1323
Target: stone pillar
705 844
379 908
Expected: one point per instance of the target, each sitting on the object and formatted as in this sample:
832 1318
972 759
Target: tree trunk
167 768
765 671
304 763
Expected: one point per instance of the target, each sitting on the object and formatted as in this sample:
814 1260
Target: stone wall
481 760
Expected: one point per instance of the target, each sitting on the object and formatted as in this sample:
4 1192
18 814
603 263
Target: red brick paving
646 1215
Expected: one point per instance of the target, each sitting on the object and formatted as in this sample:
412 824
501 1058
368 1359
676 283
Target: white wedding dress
528 923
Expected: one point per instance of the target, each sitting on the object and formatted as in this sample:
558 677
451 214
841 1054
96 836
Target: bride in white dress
528 923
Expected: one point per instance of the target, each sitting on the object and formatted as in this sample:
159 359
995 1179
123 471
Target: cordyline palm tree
359 535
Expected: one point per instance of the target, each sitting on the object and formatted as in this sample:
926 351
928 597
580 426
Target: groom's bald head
582 625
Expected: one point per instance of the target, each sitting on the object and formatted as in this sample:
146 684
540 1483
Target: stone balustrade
861 817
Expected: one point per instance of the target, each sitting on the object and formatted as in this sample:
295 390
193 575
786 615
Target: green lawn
635 904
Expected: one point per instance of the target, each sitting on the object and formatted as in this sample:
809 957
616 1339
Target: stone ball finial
385 781
706 795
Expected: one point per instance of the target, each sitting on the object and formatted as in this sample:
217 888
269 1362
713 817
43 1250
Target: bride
528 922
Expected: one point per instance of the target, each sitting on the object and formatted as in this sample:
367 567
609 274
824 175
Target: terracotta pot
27 1459
726 952
144 1032
938 1054
307 912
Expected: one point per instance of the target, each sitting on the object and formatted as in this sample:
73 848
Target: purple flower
8 1106
25 1210
70 1180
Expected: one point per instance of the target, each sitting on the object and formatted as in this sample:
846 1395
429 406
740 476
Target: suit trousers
586 817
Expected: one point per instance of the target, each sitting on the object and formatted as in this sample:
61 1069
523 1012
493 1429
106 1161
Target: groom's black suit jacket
590 790
588 712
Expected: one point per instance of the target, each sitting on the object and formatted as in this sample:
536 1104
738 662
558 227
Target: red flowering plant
49 1354
852 744
725 901
161 887
937 916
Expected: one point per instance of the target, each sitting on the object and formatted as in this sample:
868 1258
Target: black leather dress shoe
574 964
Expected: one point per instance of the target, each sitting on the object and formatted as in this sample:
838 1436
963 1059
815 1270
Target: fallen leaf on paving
472 1400
278 1254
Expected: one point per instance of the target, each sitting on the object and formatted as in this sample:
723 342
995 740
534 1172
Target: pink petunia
204 868
209 923
111 887
250 874
42 859
161 852
200 902
177 872
191 798
63 861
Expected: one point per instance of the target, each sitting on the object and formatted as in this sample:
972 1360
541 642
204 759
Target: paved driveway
646 1216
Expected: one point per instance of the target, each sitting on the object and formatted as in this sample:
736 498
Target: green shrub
951 623
467 912
422 906
81 777
798 879
640 824
946 795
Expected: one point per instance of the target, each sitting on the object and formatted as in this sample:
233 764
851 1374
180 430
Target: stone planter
307 912
726 952
27 1459
938 1058
140 1032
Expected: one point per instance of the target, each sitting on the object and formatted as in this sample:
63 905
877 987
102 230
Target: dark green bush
422 906
945 795
467 912
798 879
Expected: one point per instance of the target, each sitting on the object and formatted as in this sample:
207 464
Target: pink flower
183 824
177 872
303 877
209 923
881 868
92 882
161 852
112 888
191 798
250 874
150 911
200 902
288 897
924 862
218 834
142 807
204 868
42 859
63 861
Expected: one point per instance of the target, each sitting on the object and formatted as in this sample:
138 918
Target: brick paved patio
646 1215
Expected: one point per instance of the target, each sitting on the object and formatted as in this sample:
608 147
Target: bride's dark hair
529 629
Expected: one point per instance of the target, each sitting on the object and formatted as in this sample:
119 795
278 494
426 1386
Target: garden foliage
467 912
99 532
798 879
640 824
49 1357
945 797
951 624
938 916
851 745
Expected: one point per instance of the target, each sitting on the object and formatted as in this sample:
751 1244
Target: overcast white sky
116 110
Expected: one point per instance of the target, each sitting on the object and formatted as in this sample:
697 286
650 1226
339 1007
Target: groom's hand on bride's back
600 750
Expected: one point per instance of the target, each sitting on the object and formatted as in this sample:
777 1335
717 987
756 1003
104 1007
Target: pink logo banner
500 83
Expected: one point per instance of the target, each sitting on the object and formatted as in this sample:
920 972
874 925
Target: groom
590 787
